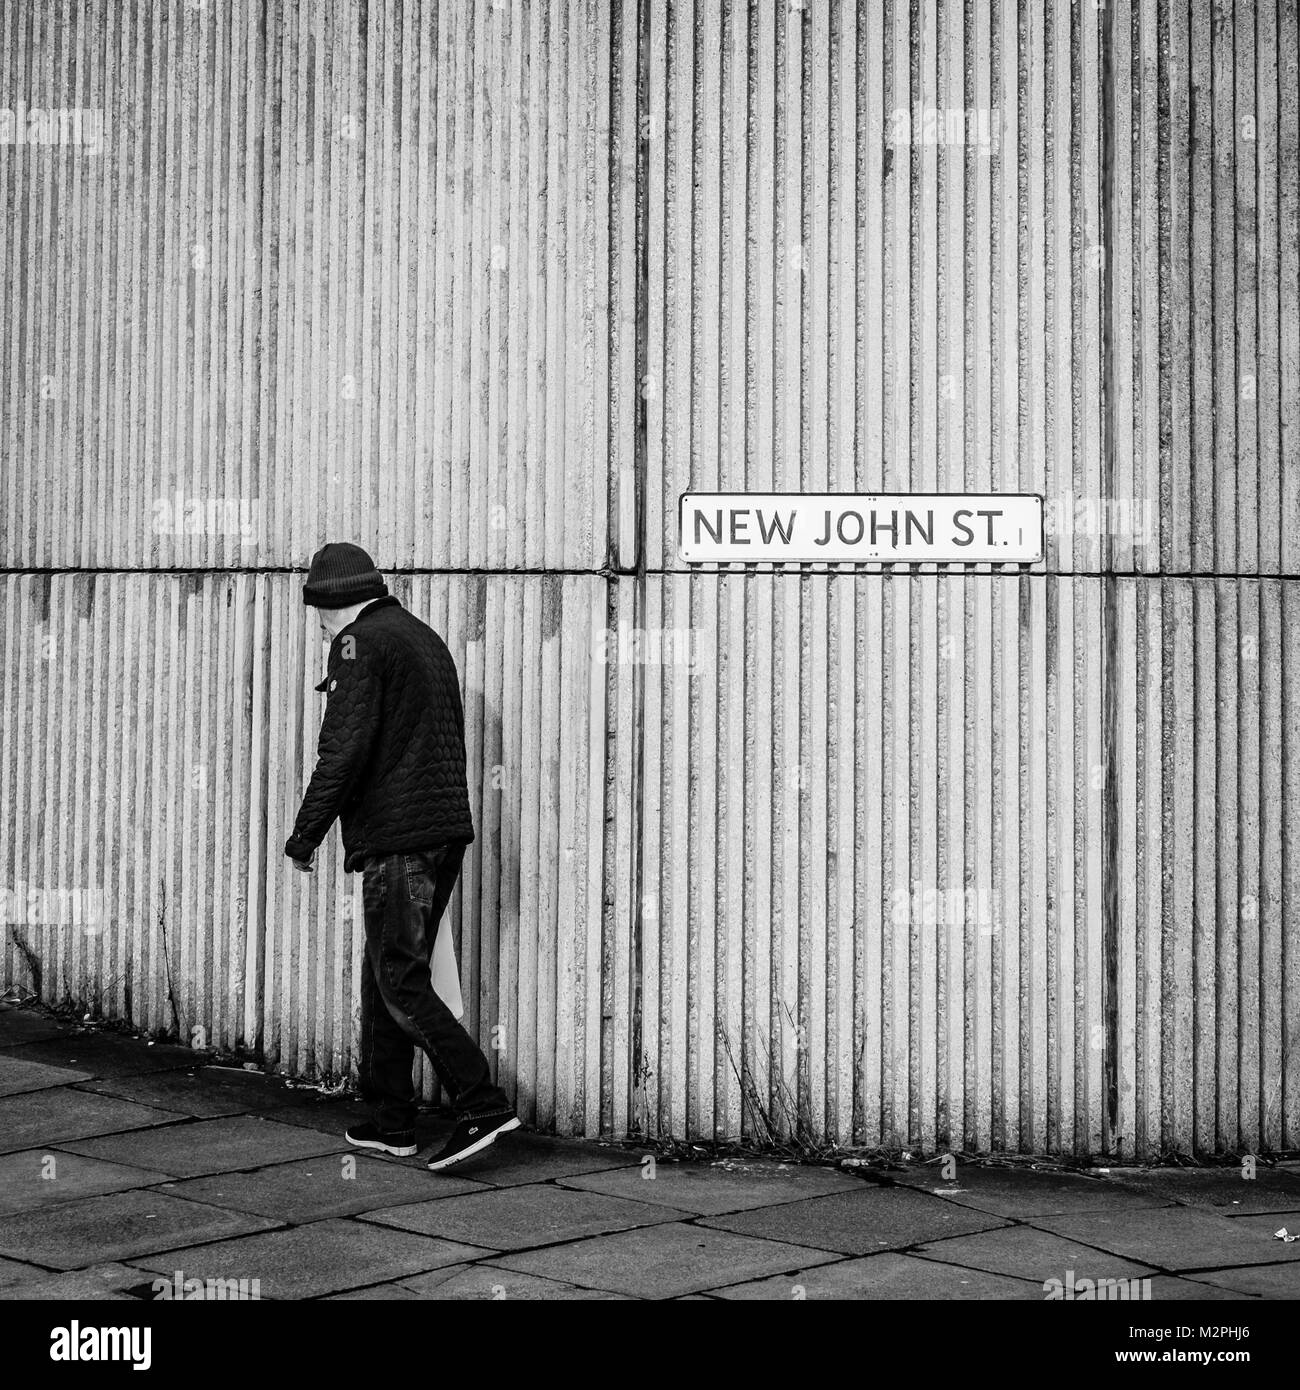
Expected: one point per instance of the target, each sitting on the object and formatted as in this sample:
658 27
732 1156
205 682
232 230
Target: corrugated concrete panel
332 269
157 734
872 853
870 889
1206 202
1209 1020
875 250
879 266
134 796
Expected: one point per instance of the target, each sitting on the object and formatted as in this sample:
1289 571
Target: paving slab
1019 1191
260 1090
1173 1238
314 1188
518 1158
377 1293
273 1095
1266 1226
712 1189
61 1115
18 1026
661 1261
1168 1288
1021 1252
183 1093
887 1276
13 1270
321 1258
862 1222
106 1282
106 1055
518 1218
36 1178
18 1074
115 1226
1258 1281
335 1116
1223 1190
486 1282
209 1146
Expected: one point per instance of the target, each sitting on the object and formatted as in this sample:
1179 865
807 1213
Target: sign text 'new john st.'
838 528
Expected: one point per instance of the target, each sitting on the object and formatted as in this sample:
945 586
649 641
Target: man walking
391 766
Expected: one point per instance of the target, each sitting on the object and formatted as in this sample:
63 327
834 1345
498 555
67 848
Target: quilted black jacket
391 757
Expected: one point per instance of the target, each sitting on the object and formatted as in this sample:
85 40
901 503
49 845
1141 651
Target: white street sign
837 528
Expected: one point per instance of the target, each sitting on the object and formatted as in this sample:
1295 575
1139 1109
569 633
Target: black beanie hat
342 574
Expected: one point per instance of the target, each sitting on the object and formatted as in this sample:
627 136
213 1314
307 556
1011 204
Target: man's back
392 746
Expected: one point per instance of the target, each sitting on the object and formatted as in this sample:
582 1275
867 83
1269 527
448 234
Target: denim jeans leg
386 1051
416 889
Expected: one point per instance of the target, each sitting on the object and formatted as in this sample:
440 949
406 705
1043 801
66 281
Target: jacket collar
373 606
387 602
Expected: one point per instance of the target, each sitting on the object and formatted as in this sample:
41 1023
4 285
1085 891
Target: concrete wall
945 859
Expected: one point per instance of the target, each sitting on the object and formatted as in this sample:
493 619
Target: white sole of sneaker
437 1165
407 1151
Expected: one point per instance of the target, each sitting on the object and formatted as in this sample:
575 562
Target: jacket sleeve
353 709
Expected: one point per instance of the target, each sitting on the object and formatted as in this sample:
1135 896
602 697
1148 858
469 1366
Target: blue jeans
405 896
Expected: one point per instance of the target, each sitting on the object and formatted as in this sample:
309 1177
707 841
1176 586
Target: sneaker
472 1134
400 1142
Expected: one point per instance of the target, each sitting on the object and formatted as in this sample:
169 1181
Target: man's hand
301 854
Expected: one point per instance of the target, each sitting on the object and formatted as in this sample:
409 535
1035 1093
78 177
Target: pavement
129 1167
